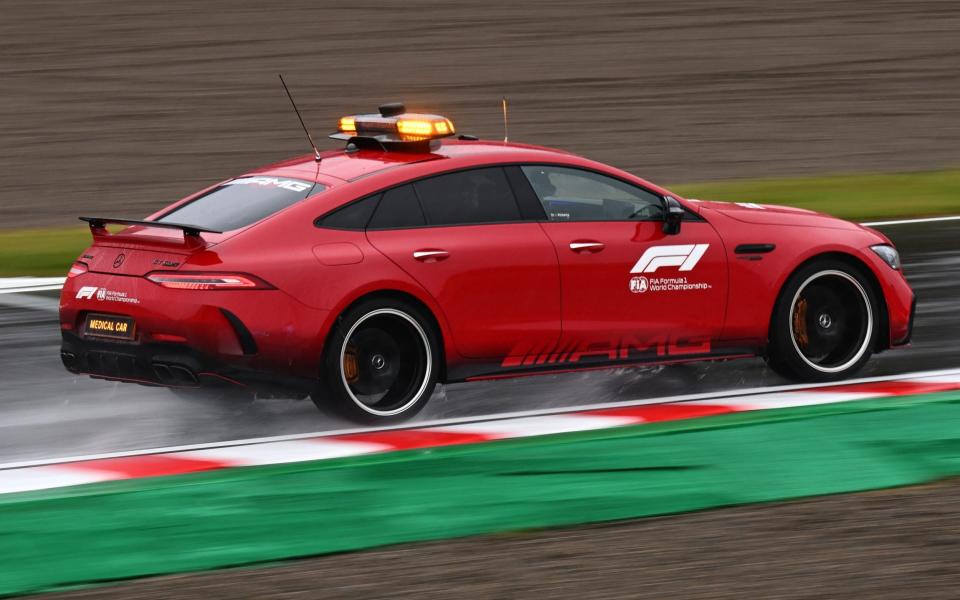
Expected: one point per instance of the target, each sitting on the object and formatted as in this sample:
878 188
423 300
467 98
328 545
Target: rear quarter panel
322 268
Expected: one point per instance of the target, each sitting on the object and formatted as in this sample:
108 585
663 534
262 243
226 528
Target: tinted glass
398 208
352 216
576 195
241 202
474 196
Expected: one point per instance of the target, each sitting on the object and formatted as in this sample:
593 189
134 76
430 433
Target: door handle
430 255
586 246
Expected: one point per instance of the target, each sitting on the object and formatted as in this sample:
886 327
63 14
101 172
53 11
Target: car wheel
824 324
380 364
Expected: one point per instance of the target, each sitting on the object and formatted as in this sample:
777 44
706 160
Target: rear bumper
169 365
263 339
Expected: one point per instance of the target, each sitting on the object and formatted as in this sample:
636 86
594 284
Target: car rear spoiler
191 233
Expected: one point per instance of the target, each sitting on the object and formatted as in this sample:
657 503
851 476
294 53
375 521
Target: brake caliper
800 323
351 366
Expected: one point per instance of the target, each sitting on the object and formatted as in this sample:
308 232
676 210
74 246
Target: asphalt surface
46 412
121 107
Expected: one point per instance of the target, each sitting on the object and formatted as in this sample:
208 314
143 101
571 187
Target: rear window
242 202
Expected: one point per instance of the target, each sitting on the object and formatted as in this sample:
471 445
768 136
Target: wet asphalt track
45 412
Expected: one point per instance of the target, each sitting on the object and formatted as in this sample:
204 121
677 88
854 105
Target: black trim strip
247 343
754 248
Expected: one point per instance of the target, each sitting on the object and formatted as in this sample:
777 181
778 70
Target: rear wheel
380 364
824 324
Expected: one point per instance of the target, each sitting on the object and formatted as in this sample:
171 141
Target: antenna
316 153
505 136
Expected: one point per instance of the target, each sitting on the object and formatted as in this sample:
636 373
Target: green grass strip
864 197
856 197
201 521
41 252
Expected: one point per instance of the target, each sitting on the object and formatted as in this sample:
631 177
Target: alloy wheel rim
385 362
831 321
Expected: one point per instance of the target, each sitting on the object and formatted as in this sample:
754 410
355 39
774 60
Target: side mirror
672 215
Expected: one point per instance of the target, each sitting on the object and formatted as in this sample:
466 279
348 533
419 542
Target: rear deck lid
133 259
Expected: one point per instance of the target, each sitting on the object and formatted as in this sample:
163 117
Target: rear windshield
242 202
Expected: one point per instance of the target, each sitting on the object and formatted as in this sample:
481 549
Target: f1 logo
685 256
87 292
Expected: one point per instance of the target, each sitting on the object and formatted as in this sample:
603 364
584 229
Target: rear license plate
109 326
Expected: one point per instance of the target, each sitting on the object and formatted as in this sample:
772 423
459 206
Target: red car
365 275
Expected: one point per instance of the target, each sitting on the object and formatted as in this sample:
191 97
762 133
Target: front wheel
380 364
824 324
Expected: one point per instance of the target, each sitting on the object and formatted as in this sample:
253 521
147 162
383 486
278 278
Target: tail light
208 281
77 268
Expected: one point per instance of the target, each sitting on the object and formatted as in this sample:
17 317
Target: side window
355 215
576 195
398 208
474 196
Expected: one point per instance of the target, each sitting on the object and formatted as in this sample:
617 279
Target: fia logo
639 285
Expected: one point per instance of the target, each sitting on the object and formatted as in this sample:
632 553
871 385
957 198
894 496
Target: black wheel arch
883 321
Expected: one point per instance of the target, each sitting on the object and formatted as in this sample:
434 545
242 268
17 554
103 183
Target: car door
494 275
629 290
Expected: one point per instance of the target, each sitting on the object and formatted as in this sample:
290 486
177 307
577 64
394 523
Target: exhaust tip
174 374
69 360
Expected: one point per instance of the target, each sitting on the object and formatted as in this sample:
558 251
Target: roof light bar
393 124
424 128
347 125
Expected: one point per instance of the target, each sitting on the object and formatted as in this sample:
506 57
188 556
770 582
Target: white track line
911 221
12 285
284 452
27 290
765 391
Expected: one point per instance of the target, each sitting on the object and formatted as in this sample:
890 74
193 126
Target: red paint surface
666 412
409 439
153 465
893 388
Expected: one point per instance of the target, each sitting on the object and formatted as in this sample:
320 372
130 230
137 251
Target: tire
380 363
824 324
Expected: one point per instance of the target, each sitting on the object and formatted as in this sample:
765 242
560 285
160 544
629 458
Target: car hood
772 214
